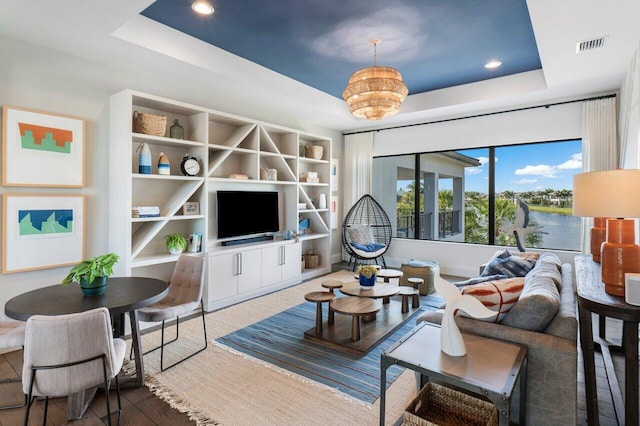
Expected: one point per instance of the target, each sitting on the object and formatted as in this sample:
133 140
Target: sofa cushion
548 265
537 305
497 295
478 280
509 265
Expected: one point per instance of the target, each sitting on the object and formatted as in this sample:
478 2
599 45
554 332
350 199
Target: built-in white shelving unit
224 145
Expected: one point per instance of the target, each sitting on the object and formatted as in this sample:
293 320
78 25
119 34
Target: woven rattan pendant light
375 92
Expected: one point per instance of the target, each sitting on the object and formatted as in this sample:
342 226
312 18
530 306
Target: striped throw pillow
498 296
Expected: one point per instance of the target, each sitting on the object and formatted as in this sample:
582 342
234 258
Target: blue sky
531 167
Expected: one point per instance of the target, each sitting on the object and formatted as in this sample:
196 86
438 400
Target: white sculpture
520 227
451 341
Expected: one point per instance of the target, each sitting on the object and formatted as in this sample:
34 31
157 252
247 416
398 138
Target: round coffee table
378 291
387 274
356 307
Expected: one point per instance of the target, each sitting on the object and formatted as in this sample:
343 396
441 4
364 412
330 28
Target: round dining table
123 295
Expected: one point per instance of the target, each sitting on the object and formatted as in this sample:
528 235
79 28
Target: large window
483 195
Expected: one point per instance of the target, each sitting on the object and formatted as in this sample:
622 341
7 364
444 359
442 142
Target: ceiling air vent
595 43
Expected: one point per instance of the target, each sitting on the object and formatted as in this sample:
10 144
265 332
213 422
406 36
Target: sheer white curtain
358 161
599 146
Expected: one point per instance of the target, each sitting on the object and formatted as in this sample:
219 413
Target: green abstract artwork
38 222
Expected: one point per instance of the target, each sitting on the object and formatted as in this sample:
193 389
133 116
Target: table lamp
612 194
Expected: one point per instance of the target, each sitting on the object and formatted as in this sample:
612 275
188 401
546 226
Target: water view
563 231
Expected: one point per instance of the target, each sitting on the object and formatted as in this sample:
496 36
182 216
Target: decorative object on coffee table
366 275
451 340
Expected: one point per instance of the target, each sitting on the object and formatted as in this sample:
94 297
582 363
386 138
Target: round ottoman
420 269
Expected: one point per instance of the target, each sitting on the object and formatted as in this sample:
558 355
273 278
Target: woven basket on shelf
438 405
313 151
149 124
311 259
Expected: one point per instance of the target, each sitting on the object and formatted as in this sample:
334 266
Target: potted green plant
92 273
176 243
367 275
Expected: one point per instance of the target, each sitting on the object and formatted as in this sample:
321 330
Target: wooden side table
490 368
356 307
593 299
319 297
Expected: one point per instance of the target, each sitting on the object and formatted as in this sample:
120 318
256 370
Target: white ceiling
113 32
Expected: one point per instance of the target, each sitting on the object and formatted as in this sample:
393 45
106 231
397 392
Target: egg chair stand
366 232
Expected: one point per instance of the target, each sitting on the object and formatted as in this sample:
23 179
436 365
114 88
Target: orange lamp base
598 236
619 255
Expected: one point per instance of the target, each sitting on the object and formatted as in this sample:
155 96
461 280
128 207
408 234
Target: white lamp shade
611 193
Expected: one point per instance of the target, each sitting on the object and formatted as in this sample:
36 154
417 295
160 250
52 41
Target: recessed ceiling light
202 7
492 64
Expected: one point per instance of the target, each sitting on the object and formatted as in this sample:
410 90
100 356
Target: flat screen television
247 213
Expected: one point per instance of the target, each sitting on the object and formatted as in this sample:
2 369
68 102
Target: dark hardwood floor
139 406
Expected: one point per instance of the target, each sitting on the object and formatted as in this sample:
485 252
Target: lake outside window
473 195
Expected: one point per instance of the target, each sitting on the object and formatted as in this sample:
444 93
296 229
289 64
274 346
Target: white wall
533 125
43 79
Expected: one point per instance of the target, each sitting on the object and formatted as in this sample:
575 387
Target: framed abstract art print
42 149
41 231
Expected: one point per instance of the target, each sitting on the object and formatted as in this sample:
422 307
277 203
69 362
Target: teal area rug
279 340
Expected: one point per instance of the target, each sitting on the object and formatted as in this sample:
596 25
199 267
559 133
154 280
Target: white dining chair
11 336
185 293
66 354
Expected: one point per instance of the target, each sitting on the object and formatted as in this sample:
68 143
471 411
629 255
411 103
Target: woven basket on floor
311 259
438 405
149 124
313 151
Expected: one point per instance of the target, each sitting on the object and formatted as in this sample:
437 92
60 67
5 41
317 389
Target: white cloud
401 36
575 162
473 170
524 181
539 170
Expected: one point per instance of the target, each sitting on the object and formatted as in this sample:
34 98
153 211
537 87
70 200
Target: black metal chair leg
204 329
46 410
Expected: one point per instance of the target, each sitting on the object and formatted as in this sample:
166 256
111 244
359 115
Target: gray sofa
552 352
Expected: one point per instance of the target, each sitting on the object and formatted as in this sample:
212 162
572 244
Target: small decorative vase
367 283
144 159
164 168
176 131
94 288
175 251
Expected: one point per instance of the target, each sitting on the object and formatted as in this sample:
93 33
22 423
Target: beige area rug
222 387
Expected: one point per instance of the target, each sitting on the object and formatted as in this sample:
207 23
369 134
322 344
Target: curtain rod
595 98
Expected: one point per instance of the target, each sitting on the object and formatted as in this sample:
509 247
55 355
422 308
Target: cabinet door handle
239 263
282 254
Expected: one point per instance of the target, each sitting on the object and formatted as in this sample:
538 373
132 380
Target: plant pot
176 250
367 283
94 288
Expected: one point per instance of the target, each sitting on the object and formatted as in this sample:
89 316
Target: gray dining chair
66 354
11 336
185 293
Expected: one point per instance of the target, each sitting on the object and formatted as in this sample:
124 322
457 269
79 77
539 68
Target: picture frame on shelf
42 149
333 211
42 231
191 208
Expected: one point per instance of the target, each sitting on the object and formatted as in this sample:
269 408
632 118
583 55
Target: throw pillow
361 234
479 280
537 306
511 266
497 295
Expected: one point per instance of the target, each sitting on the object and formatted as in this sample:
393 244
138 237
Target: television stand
247 240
